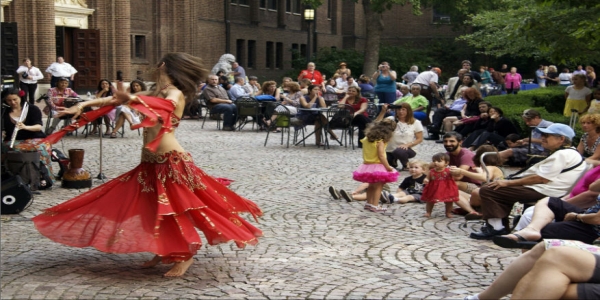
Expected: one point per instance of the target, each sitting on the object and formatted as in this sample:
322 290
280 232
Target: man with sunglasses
552 177
519 155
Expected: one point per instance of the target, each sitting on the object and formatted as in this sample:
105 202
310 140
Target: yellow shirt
370 151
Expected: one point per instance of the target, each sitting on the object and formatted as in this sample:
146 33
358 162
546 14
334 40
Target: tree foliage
562 31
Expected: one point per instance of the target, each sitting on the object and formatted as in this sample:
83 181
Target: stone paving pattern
313 246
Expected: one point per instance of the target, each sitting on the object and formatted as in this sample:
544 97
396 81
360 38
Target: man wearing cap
518 156
552 177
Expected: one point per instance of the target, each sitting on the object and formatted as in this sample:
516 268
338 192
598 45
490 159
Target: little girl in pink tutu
375 169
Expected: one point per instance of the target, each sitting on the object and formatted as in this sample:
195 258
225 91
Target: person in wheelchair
58 97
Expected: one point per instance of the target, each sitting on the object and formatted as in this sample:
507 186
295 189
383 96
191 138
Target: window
251 54
279 56
269 4
269 53
303 50
139 47
440 18
293 6
329 8
240 2
239 51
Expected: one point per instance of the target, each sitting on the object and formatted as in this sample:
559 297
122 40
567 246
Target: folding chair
283 121
215 116
340 117
247 107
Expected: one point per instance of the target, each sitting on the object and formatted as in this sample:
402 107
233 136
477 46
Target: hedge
549 101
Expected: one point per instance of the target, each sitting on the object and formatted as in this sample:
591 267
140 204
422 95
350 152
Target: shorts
471 187
417 198
591 289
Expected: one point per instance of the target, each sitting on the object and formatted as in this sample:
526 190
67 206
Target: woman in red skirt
157 206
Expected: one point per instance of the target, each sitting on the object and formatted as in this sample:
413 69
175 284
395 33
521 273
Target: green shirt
413 101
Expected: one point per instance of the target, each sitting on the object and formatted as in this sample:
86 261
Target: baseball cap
531 113
559 129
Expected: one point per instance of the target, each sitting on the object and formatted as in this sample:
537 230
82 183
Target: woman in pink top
512 81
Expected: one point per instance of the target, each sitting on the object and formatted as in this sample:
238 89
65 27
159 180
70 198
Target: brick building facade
100 37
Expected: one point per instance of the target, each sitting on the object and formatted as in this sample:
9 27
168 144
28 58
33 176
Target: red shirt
356 106
315 77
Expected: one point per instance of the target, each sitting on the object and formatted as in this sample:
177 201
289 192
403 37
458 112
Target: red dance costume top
156 207
441 187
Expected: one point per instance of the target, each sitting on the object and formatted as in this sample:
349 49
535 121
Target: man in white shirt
579 70
552 177
59 69
237 90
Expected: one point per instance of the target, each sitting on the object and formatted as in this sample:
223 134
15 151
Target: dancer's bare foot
179 268
449 215
427 215
153 262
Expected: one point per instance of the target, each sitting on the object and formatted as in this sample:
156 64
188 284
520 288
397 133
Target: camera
119 75
25 75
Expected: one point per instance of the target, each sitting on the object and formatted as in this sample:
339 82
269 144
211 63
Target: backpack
26 165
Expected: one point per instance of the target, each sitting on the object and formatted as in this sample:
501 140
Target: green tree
561 31
373 12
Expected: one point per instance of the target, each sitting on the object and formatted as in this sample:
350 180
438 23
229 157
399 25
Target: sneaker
386 197
334 193
346 196
378 209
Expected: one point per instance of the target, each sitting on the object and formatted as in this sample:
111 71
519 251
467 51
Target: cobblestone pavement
313 246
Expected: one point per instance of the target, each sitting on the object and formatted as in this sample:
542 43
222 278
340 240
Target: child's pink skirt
373 173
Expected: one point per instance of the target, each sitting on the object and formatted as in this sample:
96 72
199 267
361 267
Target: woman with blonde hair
588 144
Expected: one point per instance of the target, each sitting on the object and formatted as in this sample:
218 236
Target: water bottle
376 100
89 95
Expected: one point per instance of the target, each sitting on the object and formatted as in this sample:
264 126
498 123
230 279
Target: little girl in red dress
441 186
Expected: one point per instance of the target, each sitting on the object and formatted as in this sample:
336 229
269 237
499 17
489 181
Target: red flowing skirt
156 207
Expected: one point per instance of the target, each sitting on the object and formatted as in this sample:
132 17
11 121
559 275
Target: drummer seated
58 96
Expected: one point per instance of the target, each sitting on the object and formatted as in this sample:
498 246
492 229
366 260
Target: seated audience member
359 105
460 105
237 90
571 221
57 96
364 82
411 188
473 97
218 102
105 89
29 131
342 80
253 87
358 194
552 177
491 161
407 135
343 69
553 269
454 83
462 158
282 89
304 84
468 125
512 140
291 101
350 82
498 128
313 100
418 103
518 156
270 88
588 144
125 113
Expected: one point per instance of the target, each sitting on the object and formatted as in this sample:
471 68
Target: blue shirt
538 74
385 84
458 104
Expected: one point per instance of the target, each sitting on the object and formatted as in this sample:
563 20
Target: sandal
113 135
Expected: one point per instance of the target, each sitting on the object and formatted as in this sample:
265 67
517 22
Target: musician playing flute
29 131
58 95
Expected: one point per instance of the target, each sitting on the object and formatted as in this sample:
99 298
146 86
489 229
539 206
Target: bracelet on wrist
80 107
